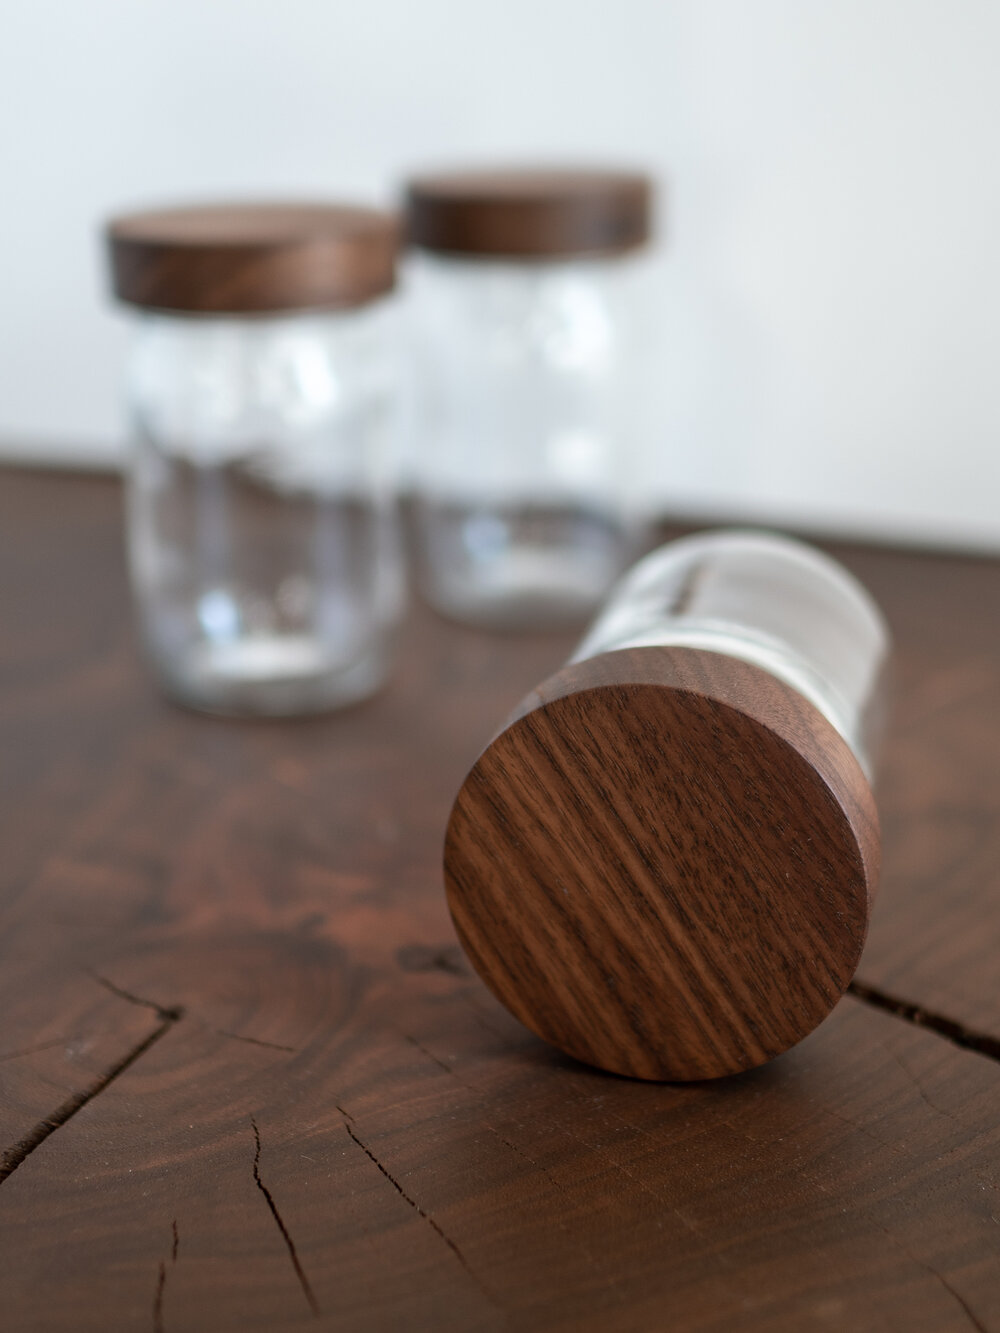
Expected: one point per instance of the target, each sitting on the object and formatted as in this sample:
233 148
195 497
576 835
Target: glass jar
665 862
526 361
767 600
262 530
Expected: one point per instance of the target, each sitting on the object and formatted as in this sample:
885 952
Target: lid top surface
659 882
530 184
252 257
530 212
257 224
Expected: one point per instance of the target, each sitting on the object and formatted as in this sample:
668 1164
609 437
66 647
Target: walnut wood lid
530 214
251 258
664 864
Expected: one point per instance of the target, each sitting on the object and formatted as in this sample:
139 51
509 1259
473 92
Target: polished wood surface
247 1080
527 213
252 258
664 863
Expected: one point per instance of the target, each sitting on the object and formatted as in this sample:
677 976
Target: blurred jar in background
262 528
526 349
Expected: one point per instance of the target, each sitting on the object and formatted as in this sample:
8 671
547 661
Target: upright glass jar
527 348
664 863
262 529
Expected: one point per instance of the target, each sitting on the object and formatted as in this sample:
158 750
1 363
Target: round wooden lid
253 258
531 214
664 864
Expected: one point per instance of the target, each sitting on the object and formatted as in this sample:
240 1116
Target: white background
830 287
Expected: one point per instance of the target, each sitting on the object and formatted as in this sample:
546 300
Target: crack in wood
895 1240
256 1041
421 1212
173 1013
917 1086
471 1087
289 1243
591 1148
158 1299
161 1280
430 1054
957 1033
939 1277
31 1050
860 1129
970 1313
16 1154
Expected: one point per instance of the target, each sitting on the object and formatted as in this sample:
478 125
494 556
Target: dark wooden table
248 1082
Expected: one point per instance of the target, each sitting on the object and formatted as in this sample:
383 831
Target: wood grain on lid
664 864
530 213
253 257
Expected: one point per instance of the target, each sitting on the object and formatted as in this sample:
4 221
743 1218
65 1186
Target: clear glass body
770 601
527 383
263 536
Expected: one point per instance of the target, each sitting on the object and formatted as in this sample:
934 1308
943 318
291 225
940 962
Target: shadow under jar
526 349
664 863
262 529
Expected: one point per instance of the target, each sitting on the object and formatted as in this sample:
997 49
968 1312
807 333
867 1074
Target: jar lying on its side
774 602
664 863
263 541
526 293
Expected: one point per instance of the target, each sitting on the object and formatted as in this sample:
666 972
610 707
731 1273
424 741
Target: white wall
831 285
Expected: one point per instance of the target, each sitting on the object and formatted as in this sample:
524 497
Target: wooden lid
664 863
530 214
251 258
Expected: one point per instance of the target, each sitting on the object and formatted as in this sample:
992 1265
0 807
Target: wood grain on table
247 1080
